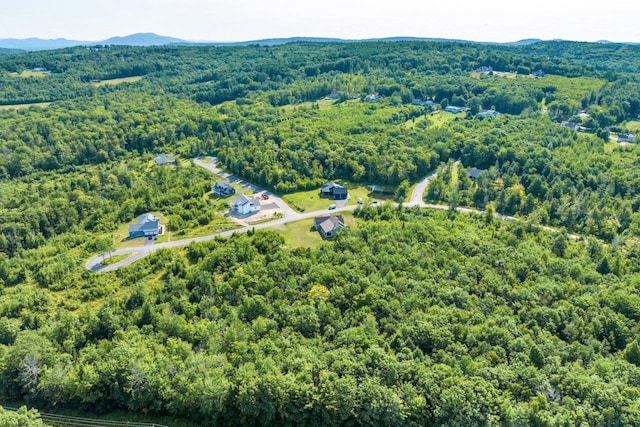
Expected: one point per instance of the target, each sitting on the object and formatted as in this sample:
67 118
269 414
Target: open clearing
321 103
633 125
436 118
19 106
116 81
30 73
304 201
300 234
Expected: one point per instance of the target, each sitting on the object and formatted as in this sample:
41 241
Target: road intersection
290 215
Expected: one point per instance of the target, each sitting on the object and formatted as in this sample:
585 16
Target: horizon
248 20
418 38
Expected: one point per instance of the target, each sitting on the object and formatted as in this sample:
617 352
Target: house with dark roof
328 226
569 125
332 190
245 205
626 137
484 69
147 225
420 102
474 173
223 188
165 159
453 109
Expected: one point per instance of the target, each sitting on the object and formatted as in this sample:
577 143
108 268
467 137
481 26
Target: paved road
94 263
417 195
138 252
211 166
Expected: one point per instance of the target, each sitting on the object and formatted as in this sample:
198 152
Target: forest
410 317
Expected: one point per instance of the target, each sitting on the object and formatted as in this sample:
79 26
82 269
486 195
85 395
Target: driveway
212 167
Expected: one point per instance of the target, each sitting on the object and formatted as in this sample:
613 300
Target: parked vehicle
332 207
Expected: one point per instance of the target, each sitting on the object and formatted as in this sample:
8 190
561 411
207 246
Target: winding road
416 200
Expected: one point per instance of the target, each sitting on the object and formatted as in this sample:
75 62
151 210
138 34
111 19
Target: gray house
148 225
474 173
332 190
165 159
626 137
223 188
328 226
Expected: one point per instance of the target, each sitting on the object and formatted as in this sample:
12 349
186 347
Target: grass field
18 106
115 259
305 201
455 180
219 224
30 73
633 125
300 234
442 117
116 81
436 118
322 103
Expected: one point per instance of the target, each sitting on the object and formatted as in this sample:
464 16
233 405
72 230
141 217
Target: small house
420 102
488 113
474 173
332 190
538 73
223 188
334 94
569 125
245 205
148 226
484 69
328 226
453 109
626 137
165 159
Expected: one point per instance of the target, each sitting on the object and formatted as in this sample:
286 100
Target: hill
36 44
33 44
142 39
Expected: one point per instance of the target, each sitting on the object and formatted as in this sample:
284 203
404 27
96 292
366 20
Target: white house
245 205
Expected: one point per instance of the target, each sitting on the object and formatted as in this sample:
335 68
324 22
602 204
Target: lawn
116 81
455 180
305 201
442 117
321 103
18 106
633 125
30 73
121 235
218 225
115 259
300 234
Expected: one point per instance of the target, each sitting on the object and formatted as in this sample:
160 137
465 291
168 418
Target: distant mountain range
151 39
140 39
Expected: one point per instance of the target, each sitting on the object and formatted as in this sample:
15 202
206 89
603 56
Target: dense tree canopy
409 317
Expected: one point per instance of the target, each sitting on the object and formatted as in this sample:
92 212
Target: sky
242 20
